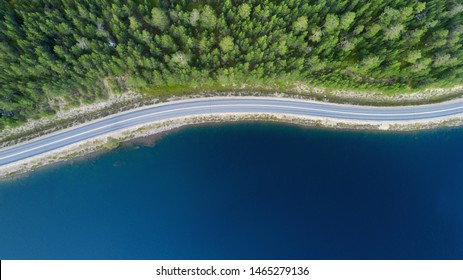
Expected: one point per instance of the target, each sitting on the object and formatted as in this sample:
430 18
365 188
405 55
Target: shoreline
117 103
131 101
114 139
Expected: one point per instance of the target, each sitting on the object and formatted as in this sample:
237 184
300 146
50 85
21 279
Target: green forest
77 51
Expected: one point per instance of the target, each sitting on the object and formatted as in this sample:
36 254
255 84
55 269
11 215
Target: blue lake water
246 191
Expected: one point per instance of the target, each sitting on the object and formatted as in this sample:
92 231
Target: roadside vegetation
75 52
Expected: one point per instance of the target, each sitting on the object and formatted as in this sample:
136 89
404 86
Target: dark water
246 191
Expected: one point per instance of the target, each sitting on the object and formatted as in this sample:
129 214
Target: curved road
225 105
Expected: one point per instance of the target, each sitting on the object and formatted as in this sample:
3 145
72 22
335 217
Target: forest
77 51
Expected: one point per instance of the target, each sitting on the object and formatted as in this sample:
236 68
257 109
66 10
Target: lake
245 191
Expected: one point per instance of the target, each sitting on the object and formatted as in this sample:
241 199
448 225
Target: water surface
246 191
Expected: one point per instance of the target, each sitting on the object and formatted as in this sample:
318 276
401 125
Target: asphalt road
225 105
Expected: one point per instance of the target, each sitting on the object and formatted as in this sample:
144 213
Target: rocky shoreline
69 117
131 101
113 140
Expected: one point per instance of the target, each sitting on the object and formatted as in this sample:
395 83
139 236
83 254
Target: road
203 106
